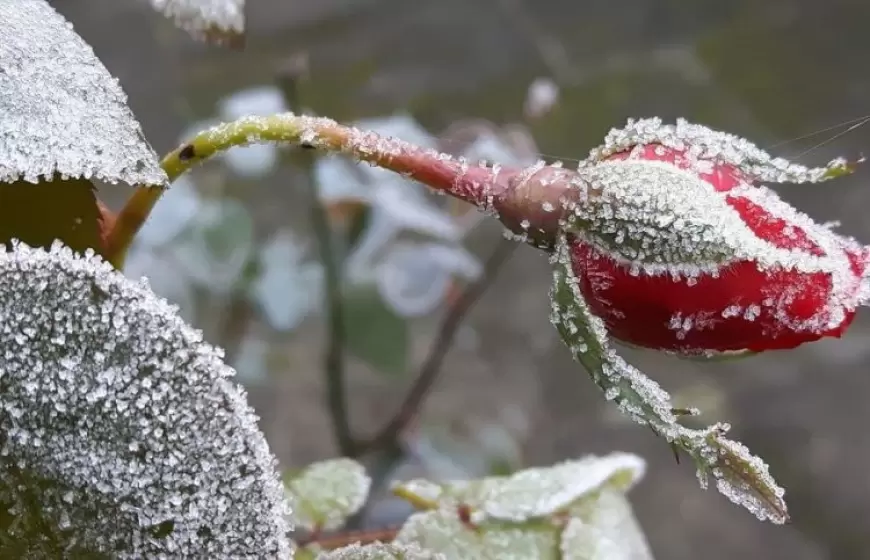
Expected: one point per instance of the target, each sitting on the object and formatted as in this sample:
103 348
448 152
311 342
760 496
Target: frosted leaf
287 288
740 476
218 245
122 432
206 18
707 144
60 109
381 551
603 527
531 493
414 278
444 531
326 494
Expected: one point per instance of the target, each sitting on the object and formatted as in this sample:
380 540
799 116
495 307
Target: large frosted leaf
530 493
739 475
121 433
60 109
445 532
326 494
215 19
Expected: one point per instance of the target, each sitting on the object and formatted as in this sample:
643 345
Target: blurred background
505 80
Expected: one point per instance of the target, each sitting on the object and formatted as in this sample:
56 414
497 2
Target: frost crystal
121 432
740 476
381 551
200 17
327 493
60 109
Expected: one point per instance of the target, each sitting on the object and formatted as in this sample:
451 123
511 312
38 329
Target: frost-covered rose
678 247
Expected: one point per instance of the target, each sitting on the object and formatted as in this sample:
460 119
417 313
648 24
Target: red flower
678 248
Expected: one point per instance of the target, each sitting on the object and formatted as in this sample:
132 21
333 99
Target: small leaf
530 493
60 109
326 494
215 20
740 476
443 531
381 551
374 333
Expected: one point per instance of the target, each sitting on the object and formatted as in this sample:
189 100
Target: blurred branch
346 538
288 79
410 407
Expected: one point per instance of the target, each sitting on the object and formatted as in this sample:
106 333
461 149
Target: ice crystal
707 144
534 492
381 551
325 494
204 17
122 432
60 109
604 528
740 476
444 531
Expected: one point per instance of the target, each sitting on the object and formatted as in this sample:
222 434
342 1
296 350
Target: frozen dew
740 476
381 551
128 438
326 494
61 112
707 144
257 160
443 531
603 527
203 17
529 494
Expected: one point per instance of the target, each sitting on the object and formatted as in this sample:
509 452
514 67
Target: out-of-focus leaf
444 532
603 527
530 493
326 494
60 109
217 20
741 477
42 213
218 245
381 551
374 333
122 433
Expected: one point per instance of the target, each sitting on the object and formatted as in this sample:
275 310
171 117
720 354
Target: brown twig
346 538
336 394
410 407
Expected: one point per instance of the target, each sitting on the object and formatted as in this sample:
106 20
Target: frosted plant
123 433
662 238
381 551
62 112
576 509
326 494
218 19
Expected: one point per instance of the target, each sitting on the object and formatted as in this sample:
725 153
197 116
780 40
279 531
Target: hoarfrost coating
121 424
60 109
677 248
199 16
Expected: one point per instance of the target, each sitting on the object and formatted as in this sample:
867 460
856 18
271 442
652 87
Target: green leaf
529 494
443 531
326 494
603 527
375 334
381 551
740 476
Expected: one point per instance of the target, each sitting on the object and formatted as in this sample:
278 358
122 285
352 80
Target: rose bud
678 248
